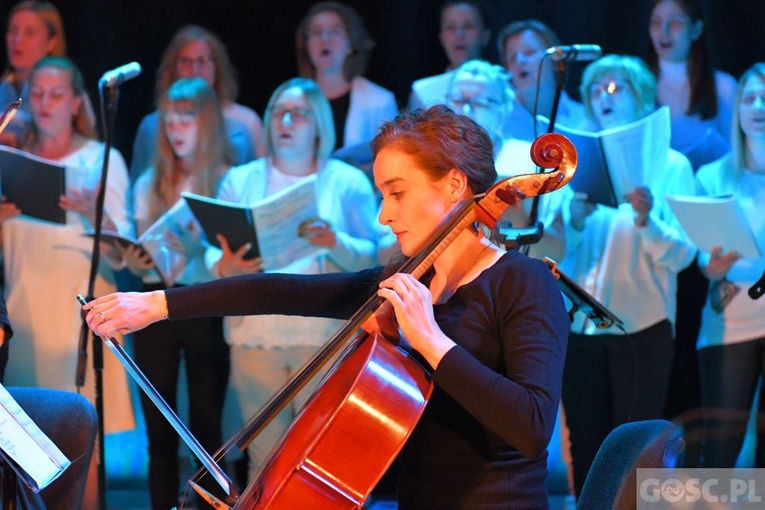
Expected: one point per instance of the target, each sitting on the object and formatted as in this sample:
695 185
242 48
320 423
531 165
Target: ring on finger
103 317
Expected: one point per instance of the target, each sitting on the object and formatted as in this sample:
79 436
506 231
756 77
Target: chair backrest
611 481
71 422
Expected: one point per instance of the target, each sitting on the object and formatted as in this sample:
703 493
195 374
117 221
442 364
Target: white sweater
633 271
744 318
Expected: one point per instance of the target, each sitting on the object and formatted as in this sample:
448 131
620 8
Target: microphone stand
560 82
108 114
9 476
581 300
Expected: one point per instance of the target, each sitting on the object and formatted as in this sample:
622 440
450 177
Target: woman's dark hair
480 7
701 76
360 41
545 33
438 140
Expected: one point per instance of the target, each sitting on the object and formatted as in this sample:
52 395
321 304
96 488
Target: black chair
611 482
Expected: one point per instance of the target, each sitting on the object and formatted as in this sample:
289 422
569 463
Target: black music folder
33 184
233 221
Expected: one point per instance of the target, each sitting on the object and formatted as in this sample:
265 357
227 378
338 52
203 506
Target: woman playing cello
491 325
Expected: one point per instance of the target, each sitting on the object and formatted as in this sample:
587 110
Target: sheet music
633 150
28 446
614 161
277 221
170 238
715 221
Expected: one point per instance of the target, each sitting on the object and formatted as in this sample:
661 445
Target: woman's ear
457 185
76 105
697 30
50 45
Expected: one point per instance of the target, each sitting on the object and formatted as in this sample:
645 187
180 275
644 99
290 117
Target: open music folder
166 241
26 448
273 226
614 161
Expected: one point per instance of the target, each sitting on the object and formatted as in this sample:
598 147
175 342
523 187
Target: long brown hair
703 100
226 79
212 154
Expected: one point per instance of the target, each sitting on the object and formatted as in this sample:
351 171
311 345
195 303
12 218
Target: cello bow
548 151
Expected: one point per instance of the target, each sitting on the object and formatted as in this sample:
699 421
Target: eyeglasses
200 61
297 114
611 87
751 98
333 32
476 104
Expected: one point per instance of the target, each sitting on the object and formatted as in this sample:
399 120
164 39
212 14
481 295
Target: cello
376 392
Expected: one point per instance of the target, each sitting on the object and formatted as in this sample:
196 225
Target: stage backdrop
103 34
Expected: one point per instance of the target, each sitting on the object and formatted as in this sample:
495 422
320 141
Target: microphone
574 53
120 75
757 290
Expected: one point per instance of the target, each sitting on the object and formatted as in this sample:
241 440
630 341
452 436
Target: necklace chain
475 262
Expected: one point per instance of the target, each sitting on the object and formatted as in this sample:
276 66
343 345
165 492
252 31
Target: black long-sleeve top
481 443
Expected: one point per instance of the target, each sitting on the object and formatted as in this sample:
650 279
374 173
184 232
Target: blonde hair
50 17
82 122
212 154
497 77
226 80
633 70
738 157
322 113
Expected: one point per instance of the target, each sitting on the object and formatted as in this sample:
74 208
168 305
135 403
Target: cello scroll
551 150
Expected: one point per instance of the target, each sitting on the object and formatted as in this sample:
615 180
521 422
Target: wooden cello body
354 425
338 462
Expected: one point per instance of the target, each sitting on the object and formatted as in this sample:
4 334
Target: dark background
259 34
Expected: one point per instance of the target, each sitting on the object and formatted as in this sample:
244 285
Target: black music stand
9 486
582 301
